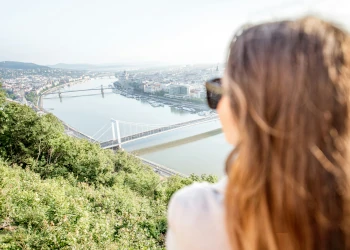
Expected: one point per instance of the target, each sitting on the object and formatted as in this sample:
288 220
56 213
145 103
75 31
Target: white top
196 218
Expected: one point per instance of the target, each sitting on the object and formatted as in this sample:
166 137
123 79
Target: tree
39 143
81 196
32 97
160 93
2 94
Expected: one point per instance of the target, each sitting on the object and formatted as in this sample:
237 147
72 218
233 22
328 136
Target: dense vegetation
10 94
32 97
7 92
58 192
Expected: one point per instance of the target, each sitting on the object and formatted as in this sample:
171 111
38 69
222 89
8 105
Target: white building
180 90
166 87
152 87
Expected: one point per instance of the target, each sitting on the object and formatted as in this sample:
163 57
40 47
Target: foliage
38 143
160 93
10 94
32 97
59 192
2 95
57 214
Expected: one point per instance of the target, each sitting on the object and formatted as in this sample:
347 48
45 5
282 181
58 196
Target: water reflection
177 143
143 101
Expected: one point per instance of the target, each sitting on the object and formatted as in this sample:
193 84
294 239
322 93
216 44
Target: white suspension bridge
123 132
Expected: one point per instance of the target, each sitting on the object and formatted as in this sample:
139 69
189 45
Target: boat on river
203 113
156 104
189 109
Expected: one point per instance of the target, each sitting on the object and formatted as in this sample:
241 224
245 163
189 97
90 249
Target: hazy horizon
117 32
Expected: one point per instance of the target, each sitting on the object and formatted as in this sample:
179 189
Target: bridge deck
115 143
75 133
80 90
161 170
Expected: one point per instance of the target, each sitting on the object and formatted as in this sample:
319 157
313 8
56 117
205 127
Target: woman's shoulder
196 217
198 197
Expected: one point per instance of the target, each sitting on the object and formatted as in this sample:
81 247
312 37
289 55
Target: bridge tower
116 124
103 94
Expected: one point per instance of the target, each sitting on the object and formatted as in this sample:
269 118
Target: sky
132 31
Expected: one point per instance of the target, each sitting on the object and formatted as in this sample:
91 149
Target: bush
59 192
67 214
38 143
54 214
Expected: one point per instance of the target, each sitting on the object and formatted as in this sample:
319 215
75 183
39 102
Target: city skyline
108 32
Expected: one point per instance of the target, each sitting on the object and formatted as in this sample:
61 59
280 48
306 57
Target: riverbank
159 169
171 101
54 88
92 114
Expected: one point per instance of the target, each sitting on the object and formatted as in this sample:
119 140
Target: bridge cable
103 133
100 130
145 124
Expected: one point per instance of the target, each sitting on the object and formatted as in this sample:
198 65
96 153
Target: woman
284 104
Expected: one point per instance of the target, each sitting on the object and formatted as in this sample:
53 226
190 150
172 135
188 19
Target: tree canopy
59 192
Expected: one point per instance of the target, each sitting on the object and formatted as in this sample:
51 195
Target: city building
152 88
179 90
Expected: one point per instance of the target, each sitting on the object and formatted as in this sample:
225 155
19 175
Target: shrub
54 214
40 144
59 192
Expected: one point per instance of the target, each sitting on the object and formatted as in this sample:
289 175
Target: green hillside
20 65
59 192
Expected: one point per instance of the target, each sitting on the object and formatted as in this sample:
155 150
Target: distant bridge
76 133
82 90
147 131
59 93
159 169
117 142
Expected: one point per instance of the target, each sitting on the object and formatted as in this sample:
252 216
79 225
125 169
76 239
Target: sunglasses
214 92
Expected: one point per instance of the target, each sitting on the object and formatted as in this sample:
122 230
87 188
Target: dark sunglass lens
213 97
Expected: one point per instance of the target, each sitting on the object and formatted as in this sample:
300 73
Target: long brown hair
288 182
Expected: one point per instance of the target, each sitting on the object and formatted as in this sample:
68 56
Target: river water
199 149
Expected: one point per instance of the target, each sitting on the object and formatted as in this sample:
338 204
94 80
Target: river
200 149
